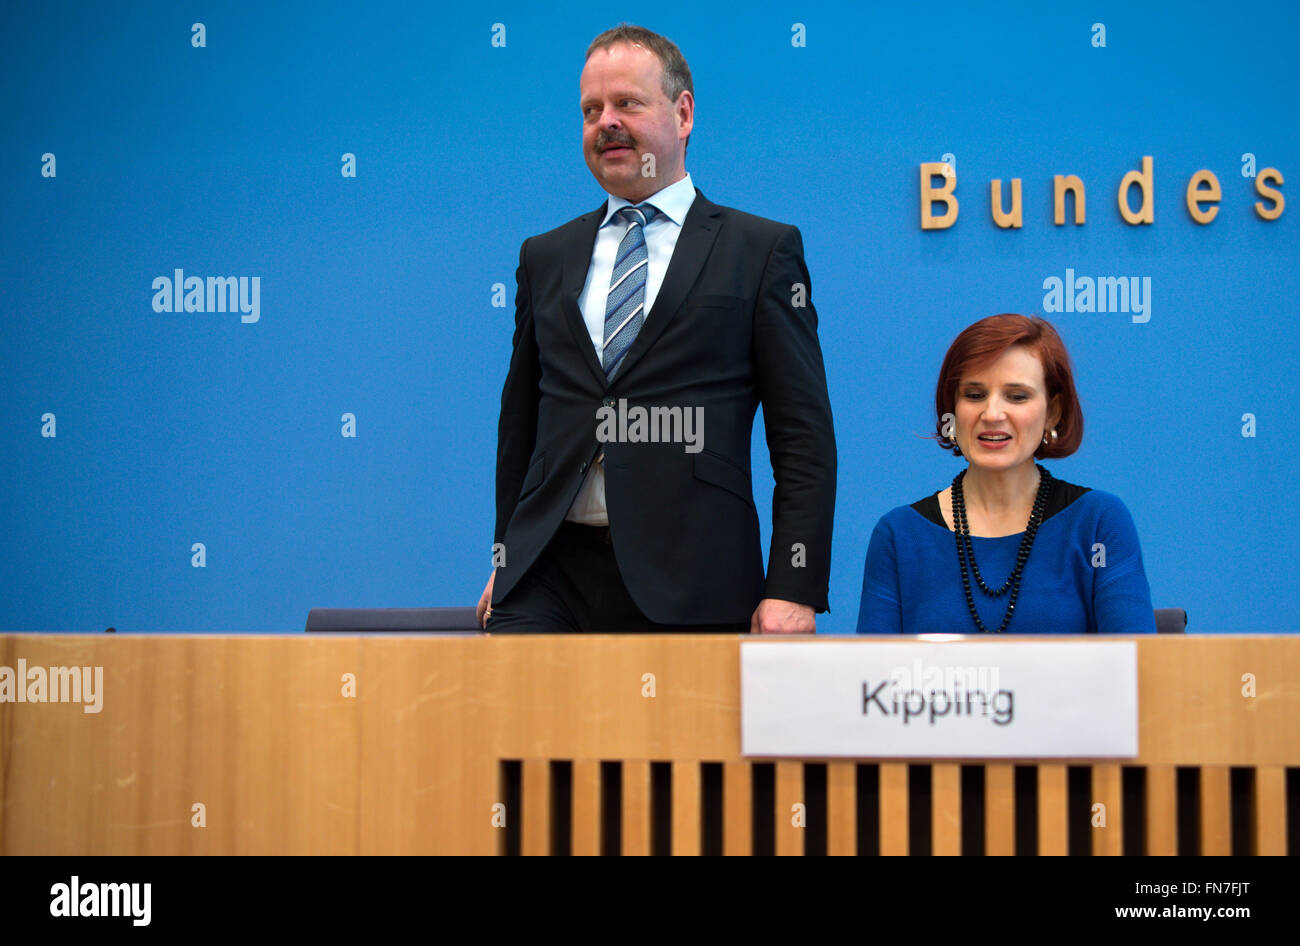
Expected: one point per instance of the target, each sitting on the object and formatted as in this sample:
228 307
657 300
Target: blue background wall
376 292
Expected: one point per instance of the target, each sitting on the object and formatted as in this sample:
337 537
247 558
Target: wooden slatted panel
789 793
841 809
502 818
1216 810
686 809
945 821
1107 790
1268 826
438 714
1053 810
893 808
737 809
536 827
586 807
999 809
636 807
1161 822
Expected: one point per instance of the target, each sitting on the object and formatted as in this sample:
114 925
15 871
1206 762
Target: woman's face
1002 411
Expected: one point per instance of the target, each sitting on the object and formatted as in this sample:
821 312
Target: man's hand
485 602
774 616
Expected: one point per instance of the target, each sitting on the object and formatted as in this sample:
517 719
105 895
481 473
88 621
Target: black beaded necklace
965 548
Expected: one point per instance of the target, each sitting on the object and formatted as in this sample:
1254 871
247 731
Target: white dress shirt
661 235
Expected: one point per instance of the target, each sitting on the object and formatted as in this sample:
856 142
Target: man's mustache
602 142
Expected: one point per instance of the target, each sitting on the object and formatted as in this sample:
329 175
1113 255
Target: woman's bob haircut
981 344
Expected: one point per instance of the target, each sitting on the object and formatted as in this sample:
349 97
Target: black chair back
392 620
1171 621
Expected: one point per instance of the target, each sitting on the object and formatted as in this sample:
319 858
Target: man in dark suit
646 334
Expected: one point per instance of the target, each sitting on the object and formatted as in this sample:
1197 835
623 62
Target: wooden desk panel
258 730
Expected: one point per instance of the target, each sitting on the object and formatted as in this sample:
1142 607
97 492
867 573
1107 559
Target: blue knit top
1084 572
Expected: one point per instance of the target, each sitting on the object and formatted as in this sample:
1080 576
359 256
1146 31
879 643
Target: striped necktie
625 305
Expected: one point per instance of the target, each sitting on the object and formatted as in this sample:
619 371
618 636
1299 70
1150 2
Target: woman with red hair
1007 547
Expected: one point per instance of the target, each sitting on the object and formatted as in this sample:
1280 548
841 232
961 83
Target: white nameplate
919 699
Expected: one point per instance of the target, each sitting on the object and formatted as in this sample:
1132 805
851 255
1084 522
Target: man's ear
685 112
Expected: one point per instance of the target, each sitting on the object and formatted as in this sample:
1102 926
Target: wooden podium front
484 745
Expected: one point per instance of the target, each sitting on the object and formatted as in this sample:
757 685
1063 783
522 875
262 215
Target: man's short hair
677 74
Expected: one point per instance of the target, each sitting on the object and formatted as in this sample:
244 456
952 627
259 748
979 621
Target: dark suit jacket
723 334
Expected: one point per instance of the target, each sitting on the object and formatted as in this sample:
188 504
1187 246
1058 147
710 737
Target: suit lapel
576 263
699 230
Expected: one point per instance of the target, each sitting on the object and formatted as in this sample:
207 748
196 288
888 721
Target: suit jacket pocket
714 302
719 471
533 478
